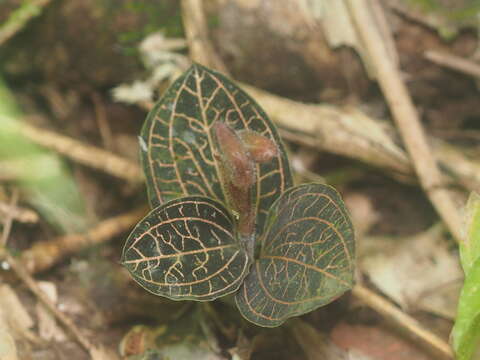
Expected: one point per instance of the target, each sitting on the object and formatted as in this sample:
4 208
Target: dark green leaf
186 249
306 259
178 150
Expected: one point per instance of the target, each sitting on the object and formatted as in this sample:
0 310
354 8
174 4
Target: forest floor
388 115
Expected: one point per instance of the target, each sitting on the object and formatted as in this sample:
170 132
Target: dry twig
43 255
404 321
454 62
406 118
84 154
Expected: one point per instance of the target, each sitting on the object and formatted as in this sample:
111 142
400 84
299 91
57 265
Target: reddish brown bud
236 159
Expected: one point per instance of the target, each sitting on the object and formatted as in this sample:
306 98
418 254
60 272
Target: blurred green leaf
470 246
47 182
466 331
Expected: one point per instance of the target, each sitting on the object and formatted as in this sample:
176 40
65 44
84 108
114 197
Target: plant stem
406 118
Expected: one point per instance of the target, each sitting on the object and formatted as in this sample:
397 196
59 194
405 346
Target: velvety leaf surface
177 146
306 260
186 249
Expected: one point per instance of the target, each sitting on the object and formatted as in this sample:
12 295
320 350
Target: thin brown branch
406 119
196 31
454 62
43 255
402 320
84 154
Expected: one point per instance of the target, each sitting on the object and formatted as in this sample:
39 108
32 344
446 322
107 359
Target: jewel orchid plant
226 218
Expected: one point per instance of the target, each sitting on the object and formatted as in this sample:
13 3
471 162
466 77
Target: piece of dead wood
44 254
406 119
454 62
402 320
84 154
